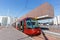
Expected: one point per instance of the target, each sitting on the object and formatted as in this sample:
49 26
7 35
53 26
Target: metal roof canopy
44 17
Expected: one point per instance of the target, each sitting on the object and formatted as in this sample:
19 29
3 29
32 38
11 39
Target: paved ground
13 34
52 32
46 36
52 36
1 27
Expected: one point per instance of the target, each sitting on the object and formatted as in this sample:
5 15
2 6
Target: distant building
46 21
6 20
56 20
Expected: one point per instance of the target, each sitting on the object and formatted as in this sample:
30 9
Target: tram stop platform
11 33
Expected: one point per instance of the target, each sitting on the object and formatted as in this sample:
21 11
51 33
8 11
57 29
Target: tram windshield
32 23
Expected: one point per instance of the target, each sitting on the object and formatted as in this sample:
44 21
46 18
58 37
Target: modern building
6 20
56 20
43 11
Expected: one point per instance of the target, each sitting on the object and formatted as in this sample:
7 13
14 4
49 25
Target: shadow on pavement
44 28
44 36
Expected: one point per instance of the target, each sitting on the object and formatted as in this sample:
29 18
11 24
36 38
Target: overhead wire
26 4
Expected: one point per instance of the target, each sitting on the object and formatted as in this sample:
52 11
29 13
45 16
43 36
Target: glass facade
4 21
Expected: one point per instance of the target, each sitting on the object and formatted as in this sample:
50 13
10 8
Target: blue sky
17 8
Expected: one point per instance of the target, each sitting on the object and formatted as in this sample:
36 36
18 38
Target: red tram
29 26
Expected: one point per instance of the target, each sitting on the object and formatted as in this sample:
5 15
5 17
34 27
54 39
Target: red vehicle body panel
35 31
30 31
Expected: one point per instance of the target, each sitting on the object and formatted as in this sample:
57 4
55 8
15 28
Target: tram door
20 25
23 25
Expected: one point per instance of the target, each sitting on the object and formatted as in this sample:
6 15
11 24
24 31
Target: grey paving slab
57 35
13 34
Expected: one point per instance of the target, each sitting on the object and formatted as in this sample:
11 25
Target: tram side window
18 24
29 24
